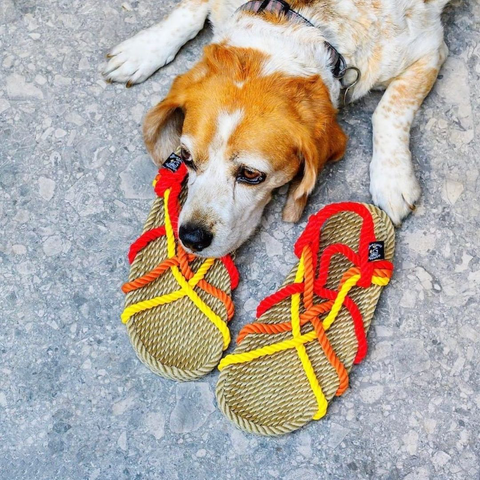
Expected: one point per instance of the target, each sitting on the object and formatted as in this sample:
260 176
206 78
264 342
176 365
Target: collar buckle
348 86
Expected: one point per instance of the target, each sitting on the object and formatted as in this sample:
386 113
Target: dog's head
243 133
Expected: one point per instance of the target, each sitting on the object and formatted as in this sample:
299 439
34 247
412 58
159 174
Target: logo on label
376 251
173 162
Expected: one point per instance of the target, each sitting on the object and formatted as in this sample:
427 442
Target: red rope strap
167 179
308 245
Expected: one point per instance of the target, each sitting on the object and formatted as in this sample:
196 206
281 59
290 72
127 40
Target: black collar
337 64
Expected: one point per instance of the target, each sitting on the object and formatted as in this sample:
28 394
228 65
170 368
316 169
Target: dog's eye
187 157
250 176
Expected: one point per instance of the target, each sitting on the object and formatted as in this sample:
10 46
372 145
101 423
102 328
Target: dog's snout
195 237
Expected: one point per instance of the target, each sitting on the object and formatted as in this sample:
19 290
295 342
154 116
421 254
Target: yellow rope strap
298 341
302 351
187 287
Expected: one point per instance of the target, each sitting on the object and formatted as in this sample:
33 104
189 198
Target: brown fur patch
288 121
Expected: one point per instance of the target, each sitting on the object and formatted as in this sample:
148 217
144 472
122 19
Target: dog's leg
393 184
135 59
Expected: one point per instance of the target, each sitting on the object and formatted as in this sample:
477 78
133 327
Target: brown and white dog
259 110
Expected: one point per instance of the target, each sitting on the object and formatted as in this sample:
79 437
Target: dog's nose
195 237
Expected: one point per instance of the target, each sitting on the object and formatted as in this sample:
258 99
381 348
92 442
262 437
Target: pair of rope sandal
297 355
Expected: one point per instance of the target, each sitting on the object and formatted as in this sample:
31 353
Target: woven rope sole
271 395
176 340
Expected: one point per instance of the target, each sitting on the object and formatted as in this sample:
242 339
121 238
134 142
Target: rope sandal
290 363
177 305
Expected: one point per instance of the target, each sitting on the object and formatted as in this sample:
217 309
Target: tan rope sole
271 395
175 340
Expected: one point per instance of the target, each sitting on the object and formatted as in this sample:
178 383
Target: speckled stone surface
75 403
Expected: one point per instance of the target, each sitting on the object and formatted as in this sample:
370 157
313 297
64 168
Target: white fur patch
227 123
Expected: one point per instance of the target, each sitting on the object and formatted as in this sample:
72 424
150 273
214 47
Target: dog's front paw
135 59
394 188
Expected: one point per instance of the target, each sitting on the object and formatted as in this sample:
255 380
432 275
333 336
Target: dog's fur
263 97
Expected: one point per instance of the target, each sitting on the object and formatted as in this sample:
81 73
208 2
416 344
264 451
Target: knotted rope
365 273
168 184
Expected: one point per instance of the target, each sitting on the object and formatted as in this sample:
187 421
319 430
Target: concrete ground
75 403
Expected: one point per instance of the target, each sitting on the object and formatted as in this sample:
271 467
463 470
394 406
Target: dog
259 109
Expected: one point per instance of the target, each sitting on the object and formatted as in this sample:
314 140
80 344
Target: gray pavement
75 403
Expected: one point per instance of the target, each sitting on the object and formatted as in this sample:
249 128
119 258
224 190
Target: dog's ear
328 143
162 126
